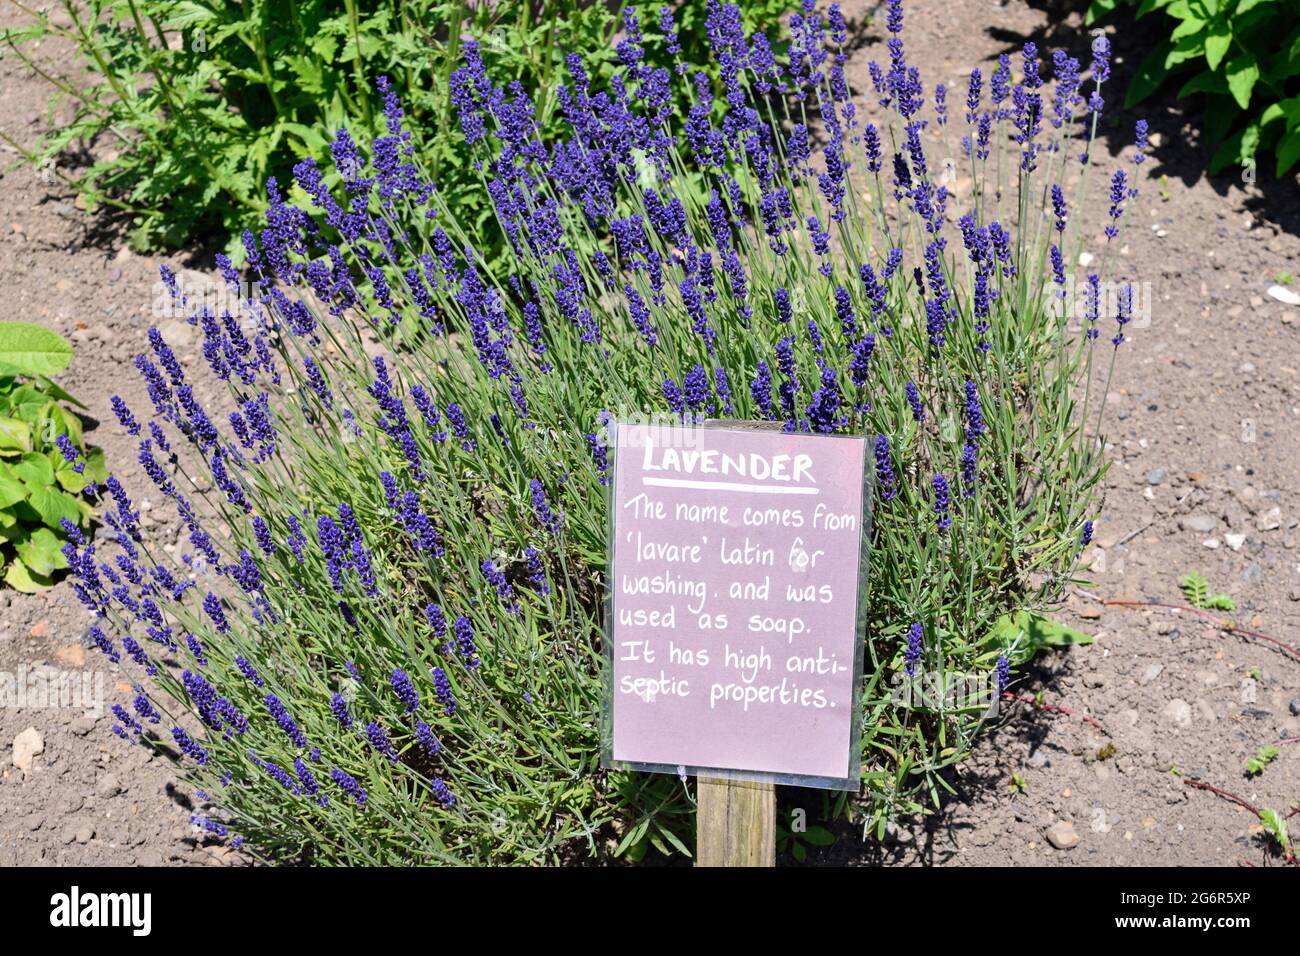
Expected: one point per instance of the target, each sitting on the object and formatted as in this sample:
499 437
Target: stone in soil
1202 524
1179 712
1269 520
108 786
1062 835
27 747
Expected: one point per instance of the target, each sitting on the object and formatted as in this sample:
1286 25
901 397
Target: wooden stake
735 823
735 820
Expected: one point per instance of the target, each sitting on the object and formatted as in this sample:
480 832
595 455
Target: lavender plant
383 643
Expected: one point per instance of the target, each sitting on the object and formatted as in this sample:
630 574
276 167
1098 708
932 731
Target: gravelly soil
91 798
1205 420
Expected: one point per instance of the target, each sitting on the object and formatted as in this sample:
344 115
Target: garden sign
735 615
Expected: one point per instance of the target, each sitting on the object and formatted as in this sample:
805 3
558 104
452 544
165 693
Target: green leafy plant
199 101
1018 783
1026 633
1196 588
1242 57
797 842
794 836
1275 825
41 484
1265 756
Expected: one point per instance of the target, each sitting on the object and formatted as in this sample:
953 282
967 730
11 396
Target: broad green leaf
42 552
1189 27
15 435
1243 72
71 481
1288 151
1217 44
34 470
96 466
53 505
12 490
1205 82
1149 5
18 577
33 349
1098 9
818 836
1150 74
52 389
27 402
54 421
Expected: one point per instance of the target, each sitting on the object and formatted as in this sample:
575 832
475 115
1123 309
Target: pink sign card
734 630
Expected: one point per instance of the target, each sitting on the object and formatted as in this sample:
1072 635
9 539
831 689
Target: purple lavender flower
339 707
1003 673
145 708
914 400
249 671
348 785
942 500
405 690
379 740
546 517
189 747
1118 193
497 579
969 467
442 689
124 416
442 793
885 479
536 571
760 390
427 739
1123 313
1100 59
102 641
915 645
71 454
1059 208
307 779
285 721
674 397
974 91
212 607
1092 305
